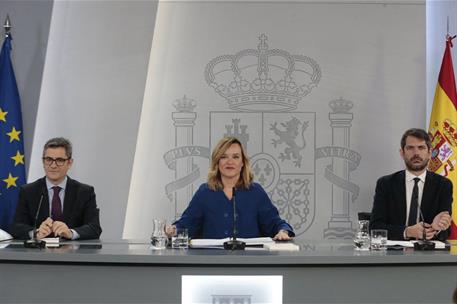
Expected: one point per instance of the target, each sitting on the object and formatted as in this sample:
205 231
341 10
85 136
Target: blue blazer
210 214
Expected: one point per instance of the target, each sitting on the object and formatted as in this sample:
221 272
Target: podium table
128 271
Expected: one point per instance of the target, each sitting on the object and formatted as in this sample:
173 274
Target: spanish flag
443 128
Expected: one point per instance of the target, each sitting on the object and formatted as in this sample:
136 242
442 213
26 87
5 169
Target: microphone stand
424 244
34 242
234 244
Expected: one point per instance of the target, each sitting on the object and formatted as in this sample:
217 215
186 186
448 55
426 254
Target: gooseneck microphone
234 244
423 244
34 242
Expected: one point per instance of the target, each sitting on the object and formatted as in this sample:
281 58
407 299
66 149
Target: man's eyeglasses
59 161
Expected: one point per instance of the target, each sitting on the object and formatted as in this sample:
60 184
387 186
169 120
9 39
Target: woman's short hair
214 176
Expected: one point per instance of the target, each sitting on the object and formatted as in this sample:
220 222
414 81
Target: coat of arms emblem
263 88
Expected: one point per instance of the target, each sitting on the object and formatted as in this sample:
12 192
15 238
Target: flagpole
7 25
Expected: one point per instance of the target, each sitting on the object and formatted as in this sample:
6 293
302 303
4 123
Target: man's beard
416 167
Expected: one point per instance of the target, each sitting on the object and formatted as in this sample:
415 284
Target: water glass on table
158 236
378 239
362 236
181 239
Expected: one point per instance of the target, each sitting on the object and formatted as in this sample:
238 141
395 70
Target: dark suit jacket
80 210
389 207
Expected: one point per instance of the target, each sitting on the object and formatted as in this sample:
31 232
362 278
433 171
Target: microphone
34 242
423 244
234 244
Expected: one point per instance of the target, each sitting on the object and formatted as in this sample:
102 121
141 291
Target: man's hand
61 229
417 231
282 235
442 221
45 228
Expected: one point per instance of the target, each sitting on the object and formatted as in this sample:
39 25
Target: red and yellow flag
443 128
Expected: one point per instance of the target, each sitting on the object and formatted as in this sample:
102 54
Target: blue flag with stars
12 166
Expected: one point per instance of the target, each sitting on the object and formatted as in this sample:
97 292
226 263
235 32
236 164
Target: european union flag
12 167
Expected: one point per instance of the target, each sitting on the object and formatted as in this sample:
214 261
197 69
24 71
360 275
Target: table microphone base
424 245
234 245
34 243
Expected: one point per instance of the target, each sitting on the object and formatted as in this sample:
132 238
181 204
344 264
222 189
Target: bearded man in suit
68 208
414 202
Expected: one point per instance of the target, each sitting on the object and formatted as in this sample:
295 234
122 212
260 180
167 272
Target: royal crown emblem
257 80
341 105
185 104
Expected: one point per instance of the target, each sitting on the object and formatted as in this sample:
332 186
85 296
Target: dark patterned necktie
412 219
56 207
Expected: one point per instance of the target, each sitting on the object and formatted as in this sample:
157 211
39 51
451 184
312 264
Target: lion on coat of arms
288 136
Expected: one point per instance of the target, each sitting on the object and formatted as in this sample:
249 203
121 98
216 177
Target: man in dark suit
68 208
414 202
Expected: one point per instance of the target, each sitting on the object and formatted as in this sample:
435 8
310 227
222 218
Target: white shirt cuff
75 234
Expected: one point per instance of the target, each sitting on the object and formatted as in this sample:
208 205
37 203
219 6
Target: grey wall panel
362 65
96 68
92 91
30 29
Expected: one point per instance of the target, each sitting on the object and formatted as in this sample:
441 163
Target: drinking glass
158 236
378 239
180 239
362 236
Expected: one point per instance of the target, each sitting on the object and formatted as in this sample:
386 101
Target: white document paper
207 243
5 236
51 241
282 247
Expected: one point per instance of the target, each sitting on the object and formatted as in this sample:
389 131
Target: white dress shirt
409 180
62 186
49 186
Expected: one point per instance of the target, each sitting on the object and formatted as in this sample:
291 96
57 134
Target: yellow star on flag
3 115
18 158
14 134
10 181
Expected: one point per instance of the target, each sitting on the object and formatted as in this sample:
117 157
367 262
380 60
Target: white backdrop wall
365 67
30 22
92 90
97 65
438 15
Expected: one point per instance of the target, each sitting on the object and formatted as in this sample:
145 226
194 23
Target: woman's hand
170 230
282 235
